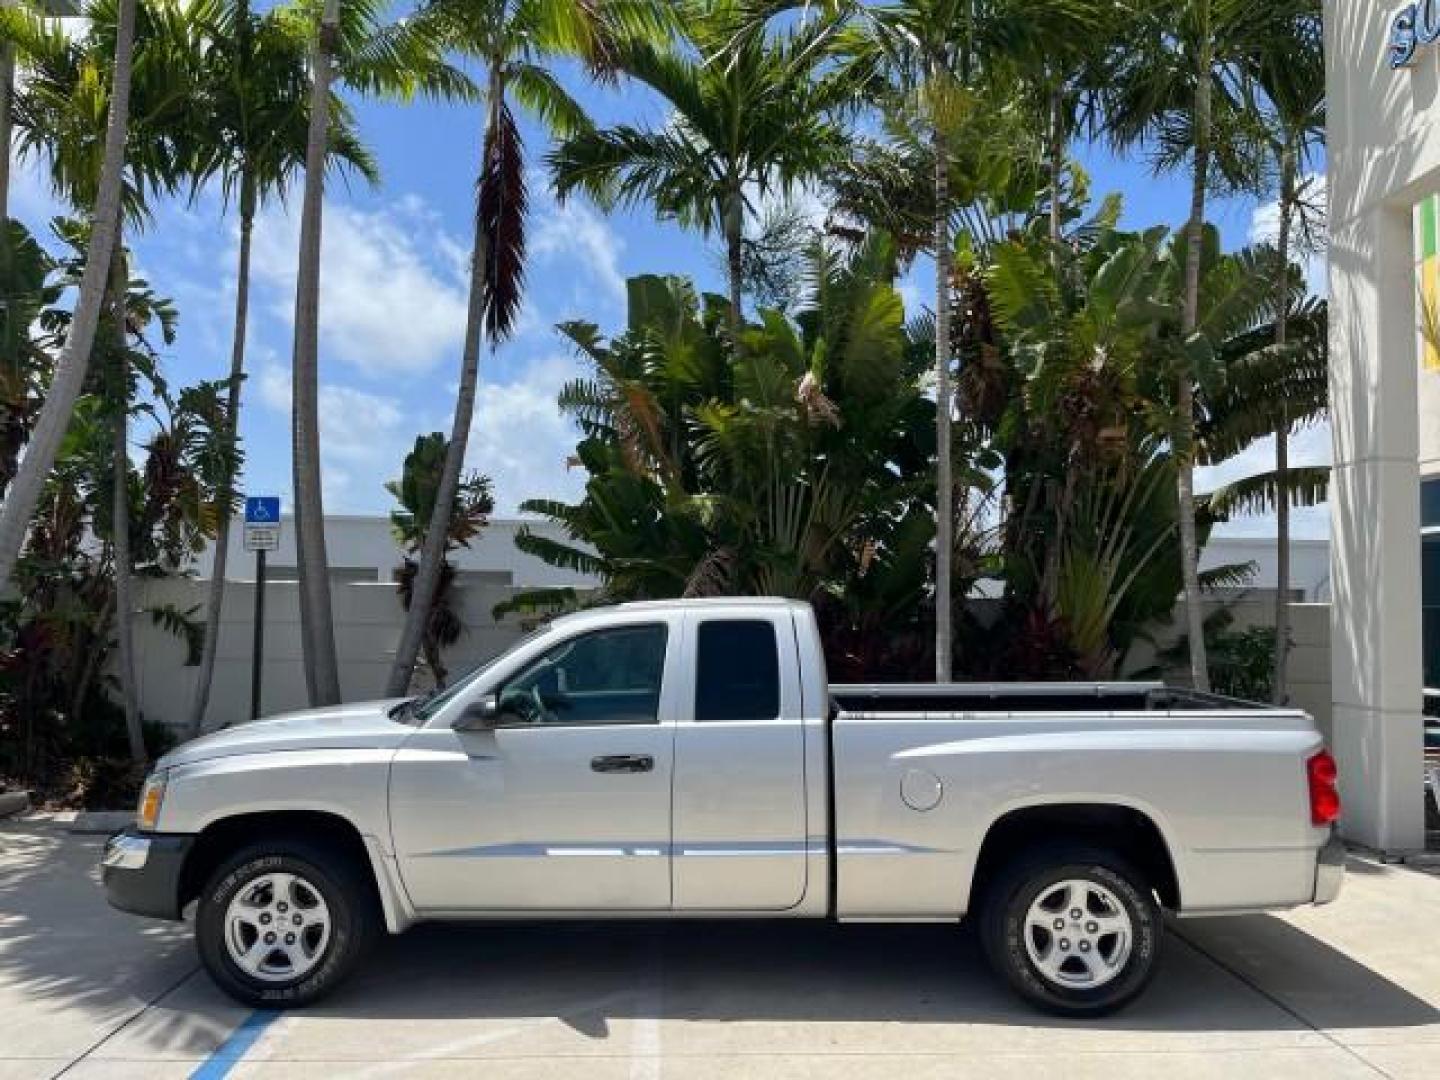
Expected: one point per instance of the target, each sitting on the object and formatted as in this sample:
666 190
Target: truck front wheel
1073 930
282 923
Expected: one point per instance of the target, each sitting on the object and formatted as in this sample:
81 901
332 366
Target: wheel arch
1128 830
223 836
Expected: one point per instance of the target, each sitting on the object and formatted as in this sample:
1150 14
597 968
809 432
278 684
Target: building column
1375 530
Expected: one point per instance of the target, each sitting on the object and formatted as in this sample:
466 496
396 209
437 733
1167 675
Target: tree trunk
322 676
1057 172
54 419
7 95
1185 398
216 592
1279 679
944 484
432 552
120 510
734 221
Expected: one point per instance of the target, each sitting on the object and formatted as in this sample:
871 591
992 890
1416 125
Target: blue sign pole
262 511
257 651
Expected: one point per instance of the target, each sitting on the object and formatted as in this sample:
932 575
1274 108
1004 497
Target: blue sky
393 300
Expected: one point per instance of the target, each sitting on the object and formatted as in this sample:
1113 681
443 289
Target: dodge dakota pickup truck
687 759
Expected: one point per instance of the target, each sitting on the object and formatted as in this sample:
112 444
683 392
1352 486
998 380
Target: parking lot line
229 1053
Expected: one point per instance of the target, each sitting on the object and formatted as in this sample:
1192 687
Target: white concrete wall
365 542
1383 154
1309 563
368 621
1309 654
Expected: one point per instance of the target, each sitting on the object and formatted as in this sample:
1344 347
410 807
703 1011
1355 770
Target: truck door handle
617 763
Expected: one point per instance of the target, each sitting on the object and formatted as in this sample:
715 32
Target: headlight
151 796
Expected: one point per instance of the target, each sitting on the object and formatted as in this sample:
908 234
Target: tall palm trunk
54 419
734 224
120 511
1057 170
432 552
1185 397
944 483
1279 679
317 628
216 598
7 95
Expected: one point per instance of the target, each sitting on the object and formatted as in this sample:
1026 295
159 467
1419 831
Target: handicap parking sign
262 522
262 510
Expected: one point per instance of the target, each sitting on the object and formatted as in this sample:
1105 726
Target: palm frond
502 203
1305 485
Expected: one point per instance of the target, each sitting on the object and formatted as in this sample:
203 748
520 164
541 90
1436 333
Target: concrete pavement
1352 990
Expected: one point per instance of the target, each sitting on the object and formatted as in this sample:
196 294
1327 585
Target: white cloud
1265 229
363 439
32 199
575 240
392 298
520 439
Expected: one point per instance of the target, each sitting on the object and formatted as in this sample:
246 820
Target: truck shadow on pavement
74 973
586 975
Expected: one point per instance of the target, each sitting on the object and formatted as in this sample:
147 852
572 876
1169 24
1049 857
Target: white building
1384 174
362 548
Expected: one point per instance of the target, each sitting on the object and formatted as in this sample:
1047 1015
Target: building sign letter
1412 26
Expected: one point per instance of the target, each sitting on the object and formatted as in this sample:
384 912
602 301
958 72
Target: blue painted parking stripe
229 1053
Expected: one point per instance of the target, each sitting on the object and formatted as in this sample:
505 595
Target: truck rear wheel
1073 930
282 923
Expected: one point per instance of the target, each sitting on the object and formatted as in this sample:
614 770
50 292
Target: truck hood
361 725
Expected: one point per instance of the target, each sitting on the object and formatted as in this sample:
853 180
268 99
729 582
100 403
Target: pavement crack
1280 1004
141 1011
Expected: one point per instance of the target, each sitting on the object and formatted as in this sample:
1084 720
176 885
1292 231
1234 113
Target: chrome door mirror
478 715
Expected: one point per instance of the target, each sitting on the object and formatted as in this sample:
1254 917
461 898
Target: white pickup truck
688 760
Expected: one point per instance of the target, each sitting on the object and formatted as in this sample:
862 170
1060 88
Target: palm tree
1066 64
399 59
1180 85
317 628
416 491
750 118
513 39
74 360
57 114
1291 74
254 138
938 56
7 92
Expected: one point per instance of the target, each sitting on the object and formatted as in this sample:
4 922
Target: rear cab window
737 673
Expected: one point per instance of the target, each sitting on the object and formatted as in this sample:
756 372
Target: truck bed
1019 697
923 773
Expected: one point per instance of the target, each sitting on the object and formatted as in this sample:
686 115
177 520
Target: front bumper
1329 869
141 872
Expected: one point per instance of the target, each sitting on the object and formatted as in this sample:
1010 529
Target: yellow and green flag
1427 231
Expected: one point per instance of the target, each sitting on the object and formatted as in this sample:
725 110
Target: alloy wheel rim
277 927
1078 934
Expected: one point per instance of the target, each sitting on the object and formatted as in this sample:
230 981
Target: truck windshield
418 710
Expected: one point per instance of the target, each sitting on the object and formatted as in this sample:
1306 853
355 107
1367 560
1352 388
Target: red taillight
1322 774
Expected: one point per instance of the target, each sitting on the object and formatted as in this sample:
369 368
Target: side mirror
479 715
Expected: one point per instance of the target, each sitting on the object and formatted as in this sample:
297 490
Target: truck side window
608 676
738 671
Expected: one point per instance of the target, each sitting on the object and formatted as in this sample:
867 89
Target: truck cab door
564 805
740 829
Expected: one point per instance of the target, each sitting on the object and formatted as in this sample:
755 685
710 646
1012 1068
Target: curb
13 802
100 822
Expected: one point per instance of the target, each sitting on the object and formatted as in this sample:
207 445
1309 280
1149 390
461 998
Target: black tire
1002 931
348 894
